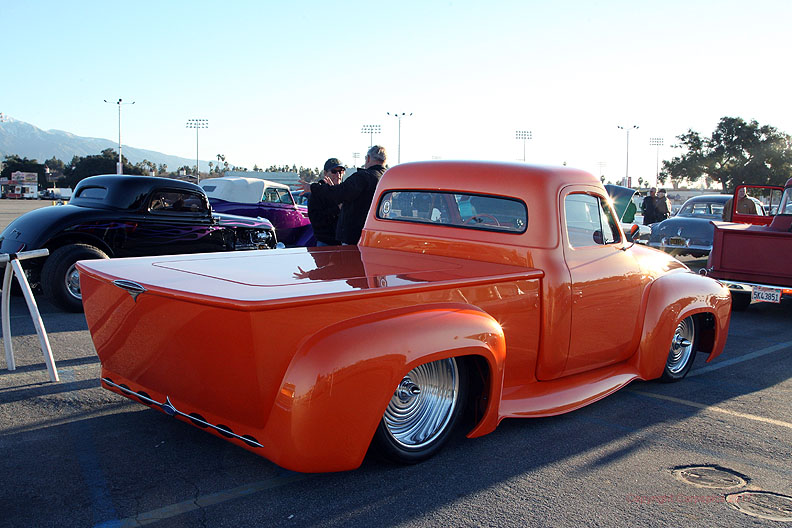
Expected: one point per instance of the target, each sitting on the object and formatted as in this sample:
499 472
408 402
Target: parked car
124 216
501 289
690 231
754 260
255 198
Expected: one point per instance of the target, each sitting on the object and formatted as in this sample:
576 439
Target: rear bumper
747 287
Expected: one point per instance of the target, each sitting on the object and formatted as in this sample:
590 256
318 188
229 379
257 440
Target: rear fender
339 382
671 299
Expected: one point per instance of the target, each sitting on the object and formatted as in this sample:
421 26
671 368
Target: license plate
762 294
676 241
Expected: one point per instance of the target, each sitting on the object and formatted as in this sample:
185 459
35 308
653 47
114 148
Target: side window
589 222
276 195
177 202
285 196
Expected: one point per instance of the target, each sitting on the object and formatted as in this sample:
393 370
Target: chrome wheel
60 279
423 404
682 351
72 279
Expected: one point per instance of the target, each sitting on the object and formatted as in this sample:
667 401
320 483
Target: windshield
712 209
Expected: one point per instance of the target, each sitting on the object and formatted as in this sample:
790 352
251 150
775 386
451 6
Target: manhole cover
763 504
710 477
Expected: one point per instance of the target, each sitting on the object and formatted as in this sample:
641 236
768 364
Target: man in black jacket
355 195
324 215
649 207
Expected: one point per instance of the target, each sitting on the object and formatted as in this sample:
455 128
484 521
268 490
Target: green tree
104 163
146 166
737 152
55 164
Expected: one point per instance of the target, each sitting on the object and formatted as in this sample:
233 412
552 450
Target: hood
621 197
229 220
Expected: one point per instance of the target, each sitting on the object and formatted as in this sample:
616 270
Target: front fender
671 299
339 382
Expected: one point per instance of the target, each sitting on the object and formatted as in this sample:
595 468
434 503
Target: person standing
648 209
662 206
354 194
745 205
324 215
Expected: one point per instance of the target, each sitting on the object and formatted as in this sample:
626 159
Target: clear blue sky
293 82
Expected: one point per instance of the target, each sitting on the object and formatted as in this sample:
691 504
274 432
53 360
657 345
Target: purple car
259 198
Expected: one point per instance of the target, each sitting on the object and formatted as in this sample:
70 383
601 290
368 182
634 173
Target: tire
740 301
682 351
423 412
59 278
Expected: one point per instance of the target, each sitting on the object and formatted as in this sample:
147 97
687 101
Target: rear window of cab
93 193
470 211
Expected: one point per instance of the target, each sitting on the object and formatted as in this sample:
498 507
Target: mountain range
28 141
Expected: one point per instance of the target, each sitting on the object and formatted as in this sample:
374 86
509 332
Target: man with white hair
355 195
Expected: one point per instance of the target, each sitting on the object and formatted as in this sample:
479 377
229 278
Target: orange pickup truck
478 291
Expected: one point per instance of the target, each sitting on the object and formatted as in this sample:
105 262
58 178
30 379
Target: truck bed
751 254
256 280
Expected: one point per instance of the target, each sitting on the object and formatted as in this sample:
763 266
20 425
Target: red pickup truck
478 291
754 260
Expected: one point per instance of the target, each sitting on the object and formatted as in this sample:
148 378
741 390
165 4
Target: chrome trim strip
169 409
748 286
669 246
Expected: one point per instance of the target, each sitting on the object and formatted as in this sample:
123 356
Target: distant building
20 185
292 179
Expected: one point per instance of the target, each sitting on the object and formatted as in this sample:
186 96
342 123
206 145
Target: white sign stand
13 267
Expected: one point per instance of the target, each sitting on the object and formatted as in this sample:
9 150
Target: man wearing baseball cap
355 195
324 215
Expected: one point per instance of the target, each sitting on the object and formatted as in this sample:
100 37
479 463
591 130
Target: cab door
766 199
606 285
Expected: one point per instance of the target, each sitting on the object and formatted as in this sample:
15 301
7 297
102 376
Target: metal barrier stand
13 267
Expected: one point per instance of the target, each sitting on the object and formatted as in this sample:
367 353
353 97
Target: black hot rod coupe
124 216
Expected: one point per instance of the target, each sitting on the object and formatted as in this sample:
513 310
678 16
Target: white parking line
746 357
168 512
714 409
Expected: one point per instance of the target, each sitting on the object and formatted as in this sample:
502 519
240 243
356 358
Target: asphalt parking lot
712 450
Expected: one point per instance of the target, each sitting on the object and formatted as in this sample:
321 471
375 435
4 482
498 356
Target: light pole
197 124
627 164
120 166
371 130
355 156
524 135
601 165
398 115
656 142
